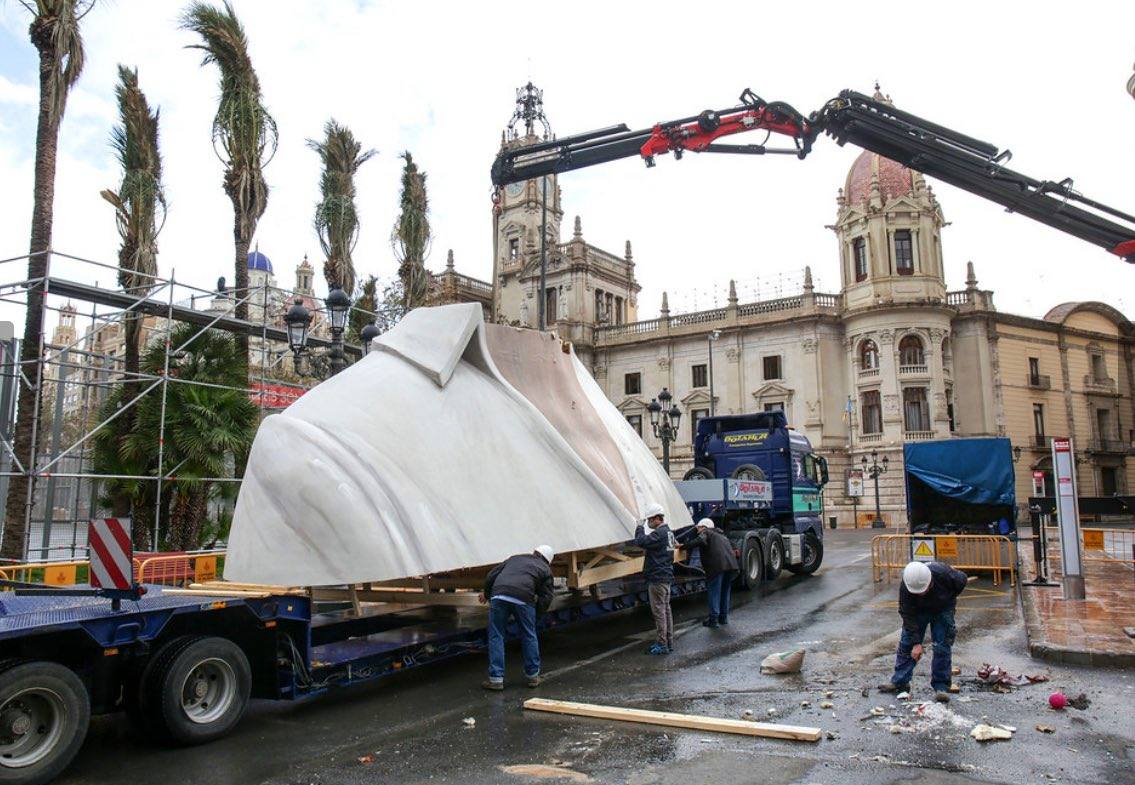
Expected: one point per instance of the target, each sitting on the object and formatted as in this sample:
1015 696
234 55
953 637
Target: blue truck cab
788 530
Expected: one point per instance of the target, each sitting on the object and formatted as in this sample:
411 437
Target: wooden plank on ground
674 720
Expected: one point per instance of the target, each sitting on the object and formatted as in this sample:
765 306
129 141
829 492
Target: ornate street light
297 320
664 422
338 306
874 469
368 334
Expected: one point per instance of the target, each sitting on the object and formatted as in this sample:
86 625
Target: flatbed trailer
183 664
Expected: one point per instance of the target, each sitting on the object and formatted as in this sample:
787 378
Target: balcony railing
913 370
1108 445
867 372
1099 383
1040 440
868 438
918 436
1040 381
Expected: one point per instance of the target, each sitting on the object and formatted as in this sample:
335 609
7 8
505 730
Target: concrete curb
1041 649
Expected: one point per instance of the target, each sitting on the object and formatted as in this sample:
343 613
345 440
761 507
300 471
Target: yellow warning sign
204 569
1093 539
946 547
923 549
59 574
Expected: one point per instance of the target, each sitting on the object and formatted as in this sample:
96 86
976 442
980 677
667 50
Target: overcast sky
438 79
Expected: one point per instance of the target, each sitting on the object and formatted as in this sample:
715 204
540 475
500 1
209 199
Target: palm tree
244 135
206 429
140 207
54 32
336 220
411 235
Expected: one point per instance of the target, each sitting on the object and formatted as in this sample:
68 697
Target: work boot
890 687
489 684
710 622
723 620
942 696
657 649
533 681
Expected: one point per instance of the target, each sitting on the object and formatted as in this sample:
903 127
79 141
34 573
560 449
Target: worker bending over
927 598
658 545
720 566
518 588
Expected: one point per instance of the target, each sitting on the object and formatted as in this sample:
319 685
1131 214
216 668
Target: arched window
868 355
910 351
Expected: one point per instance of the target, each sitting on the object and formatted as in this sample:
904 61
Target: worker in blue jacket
518 588
658 545
927 598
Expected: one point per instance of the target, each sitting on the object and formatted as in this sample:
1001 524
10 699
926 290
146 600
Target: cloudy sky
439 78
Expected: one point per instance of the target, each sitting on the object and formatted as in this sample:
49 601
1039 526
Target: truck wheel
698 473
44 715
775 557
752 563
202 690
813 554
748 471
142 688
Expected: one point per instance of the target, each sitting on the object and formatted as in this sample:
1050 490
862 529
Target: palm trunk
21 489
241 311
121 502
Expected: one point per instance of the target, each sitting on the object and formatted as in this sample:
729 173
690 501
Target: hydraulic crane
953 157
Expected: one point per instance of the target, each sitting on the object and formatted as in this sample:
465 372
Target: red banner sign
275 396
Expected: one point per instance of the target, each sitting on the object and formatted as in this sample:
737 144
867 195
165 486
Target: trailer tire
813 555
748 471
45 712
142 688
752 563
698 473
202 690
775 557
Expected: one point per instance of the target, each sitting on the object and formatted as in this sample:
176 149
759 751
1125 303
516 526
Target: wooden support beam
674 720
400 596
619 569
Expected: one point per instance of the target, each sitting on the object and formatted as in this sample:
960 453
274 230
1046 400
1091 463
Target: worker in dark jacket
518 588
927 598
720 566
658 545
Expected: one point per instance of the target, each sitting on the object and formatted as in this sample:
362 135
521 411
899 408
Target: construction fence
171 570
970 553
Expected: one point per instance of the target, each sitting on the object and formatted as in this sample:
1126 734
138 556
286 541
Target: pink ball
1057 700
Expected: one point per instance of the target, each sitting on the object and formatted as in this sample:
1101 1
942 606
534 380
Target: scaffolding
72 380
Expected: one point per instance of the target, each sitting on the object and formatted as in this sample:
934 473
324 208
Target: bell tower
519 214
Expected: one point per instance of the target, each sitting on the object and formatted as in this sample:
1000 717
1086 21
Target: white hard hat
653 509
916 577
707 523
546 551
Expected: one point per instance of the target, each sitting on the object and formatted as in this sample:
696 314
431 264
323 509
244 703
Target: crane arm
955 158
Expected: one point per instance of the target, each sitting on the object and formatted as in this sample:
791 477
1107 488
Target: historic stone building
892 357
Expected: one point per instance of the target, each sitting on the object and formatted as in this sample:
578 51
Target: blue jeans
500 611
719 591
942 633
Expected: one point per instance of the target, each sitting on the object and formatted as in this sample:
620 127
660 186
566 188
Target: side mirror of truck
823 470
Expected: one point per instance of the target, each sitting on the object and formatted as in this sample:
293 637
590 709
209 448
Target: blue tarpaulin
975 471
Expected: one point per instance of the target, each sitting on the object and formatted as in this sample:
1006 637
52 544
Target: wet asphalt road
411 727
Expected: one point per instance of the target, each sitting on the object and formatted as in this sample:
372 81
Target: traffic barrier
1114 545
180 569
48 573
967 552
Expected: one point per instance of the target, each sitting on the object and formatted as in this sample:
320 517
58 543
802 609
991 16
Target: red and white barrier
111 553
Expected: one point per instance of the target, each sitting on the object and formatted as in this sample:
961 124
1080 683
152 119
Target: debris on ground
747 714
831 735
1046 729
783 662
1080 702
902 696
994 675
866 692
771 712
366 760
469 722
540 771
955 688
955 671
1057 700
826 705
805 704
828 693
985 732
878 711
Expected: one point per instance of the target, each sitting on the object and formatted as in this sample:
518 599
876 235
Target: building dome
258 261
894 178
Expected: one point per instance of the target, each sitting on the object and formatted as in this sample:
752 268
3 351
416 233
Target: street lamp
297 320
874 469
338 306
664 419
1017 453
710 338
368 334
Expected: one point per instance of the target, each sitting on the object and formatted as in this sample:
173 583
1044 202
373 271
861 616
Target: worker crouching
658 545
927 598
519 588
720 566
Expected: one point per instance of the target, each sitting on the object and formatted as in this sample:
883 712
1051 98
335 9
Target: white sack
422 458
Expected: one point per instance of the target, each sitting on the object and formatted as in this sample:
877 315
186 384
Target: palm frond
55 34
411 236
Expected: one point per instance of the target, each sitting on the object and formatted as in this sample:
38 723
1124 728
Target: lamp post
664 419
338 306
710 338
368 334
297 321
874 469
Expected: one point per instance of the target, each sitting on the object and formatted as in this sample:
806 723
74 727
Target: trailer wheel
748 471
813 555
44 715
142 688
752 563
775 557
202 690
698 473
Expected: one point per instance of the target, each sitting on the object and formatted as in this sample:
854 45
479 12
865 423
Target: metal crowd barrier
1109 545
163 569
995 554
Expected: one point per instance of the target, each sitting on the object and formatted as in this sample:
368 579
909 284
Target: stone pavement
1081 632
